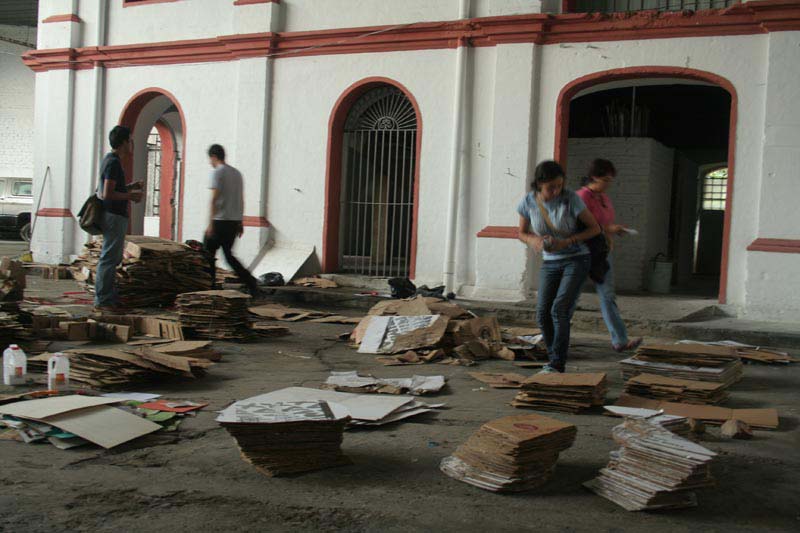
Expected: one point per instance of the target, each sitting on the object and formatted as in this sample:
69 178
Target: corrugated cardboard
757 418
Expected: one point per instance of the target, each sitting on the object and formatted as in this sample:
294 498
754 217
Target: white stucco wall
16 104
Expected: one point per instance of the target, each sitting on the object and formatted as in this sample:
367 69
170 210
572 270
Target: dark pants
560 282
223 235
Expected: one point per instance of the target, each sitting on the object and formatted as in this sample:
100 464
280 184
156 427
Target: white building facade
397 138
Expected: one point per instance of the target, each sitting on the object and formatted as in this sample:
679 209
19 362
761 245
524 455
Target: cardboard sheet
367 407
757 418
103 425
47 407
395 334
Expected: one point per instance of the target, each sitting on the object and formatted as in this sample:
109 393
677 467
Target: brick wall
16 104
641 196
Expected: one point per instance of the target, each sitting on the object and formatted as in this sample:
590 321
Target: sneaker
547 369
630 345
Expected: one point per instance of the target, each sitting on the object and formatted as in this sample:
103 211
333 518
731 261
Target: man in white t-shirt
227 209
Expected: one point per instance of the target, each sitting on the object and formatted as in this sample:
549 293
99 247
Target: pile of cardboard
425 330
510 454
72 420
571 393
353 382
763 418
676 390
152 273
654 468
286 437
696 362
361 409
113 367
219 314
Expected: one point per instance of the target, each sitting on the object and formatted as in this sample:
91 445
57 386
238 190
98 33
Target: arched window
377 202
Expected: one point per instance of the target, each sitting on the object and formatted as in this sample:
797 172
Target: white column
502 265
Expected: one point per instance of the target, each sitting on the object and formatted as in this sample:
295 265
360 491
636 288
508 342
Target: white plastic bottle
15 366
58 372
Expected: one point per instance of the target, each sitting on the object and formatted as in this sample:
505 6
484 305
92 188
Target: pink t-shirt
599 204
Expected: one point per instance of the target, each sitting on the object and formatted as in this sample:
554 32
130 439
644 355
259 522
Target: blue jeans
105 290
560 282
609 309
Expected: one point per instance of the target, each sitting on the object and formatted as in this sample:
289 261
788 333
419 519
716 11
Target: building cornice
756 17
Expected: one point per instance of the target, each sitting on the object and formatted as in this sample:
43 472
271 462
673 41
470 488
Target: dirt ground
194 480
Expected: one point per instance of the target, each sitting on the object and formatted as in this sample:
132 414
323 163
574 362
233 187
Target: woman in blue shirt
549 218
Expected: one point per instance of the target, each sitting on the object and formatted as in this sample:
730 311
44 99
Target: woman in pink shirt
593 193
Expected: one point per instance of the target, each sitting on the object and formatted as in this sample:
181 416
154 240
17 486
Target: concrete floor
194 480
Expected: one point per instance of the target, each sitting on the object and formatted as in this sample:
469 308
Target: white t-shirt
228 181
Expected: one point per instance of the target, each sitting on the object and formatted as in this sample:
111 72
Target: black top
111 169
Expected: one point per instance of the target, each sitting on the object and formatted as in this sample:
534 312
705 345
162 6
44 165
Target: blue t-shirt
563 212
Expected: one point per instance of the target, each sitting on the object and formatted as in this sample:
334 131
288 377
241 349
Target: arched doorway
158 130
372 186
622 96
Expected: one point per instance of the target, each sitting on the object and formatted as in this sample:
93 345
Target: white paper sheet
286 258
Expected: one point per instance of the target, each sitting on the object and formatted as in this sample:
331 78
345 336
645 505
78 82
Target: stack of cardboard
654 468
696 362
109 367
676 390
680 425
153 272
287 437
219 314
752 354
571 393
510 454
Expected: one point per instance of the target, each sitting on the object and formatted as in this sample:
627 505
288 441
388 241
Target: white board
286 258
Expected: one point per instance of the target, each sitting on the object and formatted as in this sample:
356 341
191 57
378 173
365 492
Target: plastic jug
15 366
58 372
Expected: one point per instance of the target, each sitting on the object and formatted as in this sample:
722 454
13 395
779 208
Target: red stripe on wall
782 246
56 212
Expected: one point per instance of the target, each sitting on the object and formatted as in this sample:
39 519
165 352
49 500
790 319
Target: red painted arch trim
750 18
569 91
129 115
499 232
71 17
166 179
333 171
255 222
55 212
784 246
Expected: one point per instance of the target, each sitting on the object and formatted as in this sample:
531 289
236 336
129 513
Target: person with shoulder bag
593 193
550 221
115 194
